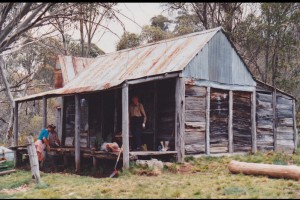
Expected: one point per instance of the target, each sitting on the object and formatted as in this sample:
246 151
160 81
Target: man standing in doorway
137 121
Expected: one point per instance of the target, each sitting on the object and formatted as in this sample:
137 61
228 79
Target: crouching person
53 138
42 144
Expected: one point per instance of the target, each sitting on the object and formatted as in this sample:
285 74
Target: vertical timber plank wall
242 131
219 111
195 123
285 124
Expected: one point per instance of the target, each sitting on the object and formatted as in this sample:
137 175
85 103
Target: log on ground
273 171
7 172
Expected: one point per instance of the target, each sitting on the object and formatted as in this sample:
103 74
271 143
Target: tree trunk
81 31
88 45
65 44
9 135
9 132
275 171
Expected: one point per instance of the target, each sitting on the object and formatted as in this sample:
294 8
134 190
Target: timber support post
77 132
274 102
207 138
295 126
16 130
115 110
230 131
44 112
62 115
95 163
253 120
33 159
179 118
125 125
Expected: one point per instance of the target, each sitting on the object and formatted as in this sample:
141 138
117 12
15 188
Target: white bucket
6 153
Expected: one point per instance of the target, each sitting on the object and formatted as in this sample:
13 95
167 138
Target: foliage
153 34
128 40
160 21
186 23
75 49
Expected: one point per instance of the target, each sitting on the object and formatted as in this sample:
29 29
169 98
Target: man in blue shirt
43 142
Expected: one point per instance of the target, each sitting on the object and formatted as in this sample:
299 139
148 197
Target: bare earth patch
185 168
22 188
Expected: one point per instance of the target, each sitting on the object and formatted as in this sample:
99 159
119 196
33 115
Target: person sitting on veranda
53 138
42 143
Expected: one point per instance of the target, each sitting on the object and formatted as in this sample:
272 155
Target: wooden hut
197 91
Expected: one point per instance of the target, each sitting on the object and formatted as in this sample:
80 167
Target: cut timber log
274 171
7 172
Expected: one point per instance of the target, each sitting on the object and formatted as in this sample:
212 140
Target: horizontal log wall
195 103
219 111
242 137
264 121
284 123
284 120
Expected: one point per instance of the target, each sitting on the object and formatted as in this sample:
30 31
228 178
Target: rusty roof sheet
112 69
71 66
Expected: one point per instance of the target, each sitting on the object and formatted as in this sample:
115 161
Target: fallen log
2 161
7 172
274 171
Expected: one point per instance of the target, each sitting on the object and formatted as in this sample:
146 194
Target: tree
160 21
270 42
152 34
212 15
186 23
16 19
128 40
75 49
94 15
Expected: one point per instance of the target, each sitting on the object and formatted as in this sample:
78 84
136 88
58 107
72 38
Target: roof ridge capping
166 40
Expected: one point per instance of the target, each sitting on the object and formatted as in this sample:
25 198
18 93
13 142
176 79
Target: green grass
209 178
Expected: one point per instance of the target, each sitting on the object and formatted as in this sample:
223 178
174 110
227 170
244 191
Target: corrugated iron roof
112 69
71 66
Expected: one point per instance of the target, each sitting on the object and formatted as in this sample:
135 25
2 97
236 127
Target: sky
133 16
141 13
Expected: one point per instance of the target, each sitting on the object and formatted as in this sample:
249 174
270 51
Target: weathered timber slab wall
264 121
219 110
284 120
166 112
242 138
284 123
195 103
